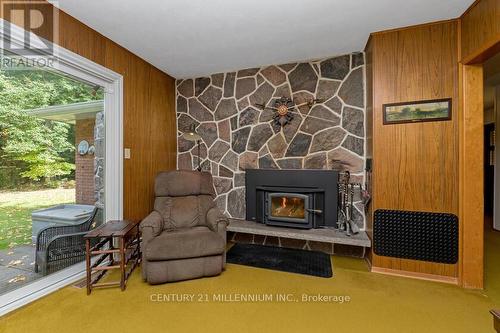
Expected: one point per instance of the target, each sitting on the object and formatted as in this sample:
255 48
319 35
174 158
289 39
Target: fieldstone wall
238 135
99 160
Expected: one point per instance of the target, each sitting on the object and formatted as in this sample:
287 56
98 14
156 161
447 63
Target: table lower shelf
129 255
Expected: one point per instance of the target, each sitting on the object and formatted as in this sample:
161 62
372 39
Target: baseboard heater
416 235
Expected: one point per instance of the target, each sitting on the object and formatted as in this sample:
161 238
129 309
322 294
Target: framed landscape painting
417 111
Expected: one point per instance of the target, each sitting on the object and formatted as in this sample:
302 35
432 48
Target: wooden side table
496 319
128 256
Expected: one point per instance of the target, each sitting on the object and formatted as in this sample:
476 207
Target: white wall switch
126 153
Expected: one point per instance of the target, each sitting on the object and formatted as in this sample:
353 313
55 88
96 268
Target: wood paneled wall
480 29
433 166
415 165
149 111
479 40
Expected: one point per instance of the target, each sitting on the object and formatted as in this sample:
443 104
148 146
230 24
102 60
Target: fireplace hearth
292 198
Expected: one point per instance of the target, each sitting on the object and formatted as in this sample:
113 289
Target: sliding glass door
52 169
61 163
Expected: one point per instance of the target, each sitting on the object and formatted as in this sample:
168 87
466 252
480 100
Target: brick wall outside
84 173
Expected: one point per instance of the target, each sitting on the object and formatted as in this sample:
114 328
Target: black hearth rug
281 259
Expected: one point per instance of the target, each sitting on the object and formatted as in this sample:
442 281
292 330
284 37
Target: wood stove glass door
289 207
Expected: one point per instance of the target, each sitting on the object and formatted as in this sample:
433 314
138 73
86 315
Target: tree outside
37 152
37 156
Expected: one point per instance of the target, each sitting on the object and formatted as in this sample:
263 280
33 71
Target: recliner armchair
185 236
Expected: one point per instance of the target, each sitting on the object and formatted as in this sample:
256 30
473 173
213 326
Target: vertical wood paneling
149 111
480 26
86 42
415 165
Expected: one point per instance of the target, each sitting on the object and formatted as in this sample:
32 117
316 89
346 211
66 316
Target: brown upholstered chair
185 236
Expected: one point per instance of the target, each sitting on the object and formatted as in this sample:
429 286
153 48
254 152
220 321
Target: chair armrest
151 226
72 239
45 236
216 221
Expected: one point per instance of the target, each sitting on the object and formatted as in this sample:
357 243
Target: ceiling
199 37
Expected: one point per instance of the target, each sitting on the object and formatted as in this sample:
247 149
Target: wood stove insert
292 198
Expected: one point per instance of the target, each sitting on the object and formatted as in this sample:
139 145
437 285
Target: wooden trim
486 51
460 155
416 26
460 168
480 31
415 275
471 173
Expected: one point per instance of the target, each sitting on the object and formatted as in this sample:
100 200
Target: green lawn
16 208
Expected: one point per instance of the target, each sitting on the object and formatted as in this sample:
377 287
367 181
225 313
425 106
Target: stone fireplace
237 134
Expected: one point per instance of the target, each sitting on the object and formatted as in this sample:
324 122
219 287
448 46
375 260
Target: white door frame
84 69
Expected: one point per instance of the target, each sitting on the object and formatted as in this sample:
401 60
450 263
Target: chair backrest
184 197
88 224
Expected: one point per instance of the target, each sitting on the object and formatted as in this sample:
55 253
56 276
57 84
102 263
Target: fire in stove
288 206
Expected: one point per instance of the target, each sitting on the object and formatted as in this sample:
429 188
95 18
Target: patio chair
58 247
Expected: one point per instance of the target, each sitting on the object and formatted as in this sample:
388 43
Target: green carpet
378 303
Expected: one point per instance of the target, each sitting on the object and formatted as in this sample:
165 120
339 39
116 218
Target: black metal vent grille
416 235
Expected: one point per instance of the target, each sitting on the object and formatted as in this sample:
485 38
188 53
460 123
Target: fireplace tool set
346 204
